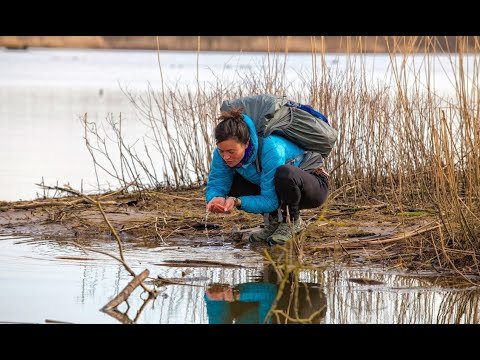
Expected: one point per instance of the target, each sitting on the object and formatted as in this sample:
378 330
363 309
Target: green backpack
299 123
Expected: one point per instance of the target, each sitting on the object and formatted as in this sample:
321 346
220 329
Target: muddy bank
369 233
148 215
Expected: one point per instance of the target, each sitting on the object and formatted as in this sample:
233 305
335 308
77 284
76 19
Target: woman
281 186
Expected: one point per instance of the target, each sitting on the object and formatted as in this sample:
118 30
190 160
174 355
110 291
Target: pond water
49 280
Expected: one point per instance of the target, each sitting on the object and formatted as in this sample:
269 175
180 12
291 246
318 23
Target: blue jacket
276 151
260 295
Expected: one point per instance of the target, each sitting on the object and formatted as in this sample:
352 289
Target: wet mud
362 234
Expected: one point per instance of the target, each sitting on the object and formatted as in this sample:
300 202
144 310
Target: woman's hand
220 292
229 204
217 205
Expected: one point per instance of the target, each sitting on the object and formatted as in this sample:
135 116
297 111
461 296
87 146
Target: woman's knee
283 174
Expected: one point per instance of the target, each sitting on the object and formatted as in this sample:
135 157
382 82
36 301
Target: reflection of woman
250 303
247 303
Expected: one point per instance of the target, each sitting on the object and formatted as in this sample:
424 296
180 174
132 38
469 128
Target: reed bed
401 142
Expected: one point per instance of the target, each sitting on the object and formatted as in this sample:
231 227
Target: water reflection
401 299
266 301
44 280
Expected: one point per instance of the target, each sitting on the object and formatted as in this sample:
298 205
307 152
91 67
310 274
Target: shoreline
273 44
352 233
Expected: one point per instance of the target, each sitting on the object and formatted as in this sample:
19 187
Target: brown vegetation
401 143
371 233
338 44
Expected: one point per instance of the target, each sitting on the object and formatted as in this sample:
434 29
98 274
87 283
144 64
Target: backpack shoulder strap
258 160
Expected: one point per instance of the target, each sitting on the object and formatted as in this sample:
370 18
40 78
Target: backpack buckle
320 171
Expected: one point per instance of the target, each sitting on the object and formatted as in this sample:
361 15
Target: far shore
279 44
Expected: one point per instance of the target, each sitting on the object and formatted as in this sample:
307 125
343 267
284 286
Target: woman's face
231 151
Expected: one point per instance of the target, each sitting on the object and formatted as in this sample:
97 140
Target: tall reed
400 139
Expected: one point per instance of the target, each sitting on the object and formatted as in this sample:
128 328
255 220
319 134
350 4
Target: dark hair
232 126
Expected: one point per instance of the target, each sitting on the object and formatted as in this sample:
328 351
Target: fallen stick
362 243
117 315
33 205
183 198
125 293
49 321
196 263
125 265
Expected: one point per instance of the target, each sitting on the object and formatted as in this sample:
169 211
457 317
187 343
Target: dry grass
400 144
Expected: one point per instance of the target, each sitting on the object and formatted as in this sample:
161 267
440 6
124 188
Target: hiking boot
268 230
285 232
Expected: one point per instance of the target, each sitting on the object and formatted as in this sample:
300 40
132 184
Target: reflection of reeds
298 302
457 308
399 300
295 301
402 142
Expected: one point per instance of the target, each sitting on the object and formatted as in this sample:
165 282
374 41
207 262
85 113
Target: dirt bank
342 231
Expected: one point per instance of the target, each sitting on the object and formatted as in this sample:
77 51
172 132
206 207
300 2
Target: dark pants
296 188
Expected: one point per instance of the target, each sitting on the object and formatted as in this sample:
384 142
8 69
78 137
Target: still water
46 280
44 93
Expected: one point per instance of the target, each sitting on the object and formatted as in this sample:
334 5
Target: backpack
299 123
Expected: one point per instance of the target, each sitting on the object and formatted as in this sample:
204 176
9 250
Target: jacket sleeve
220 178
273 156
